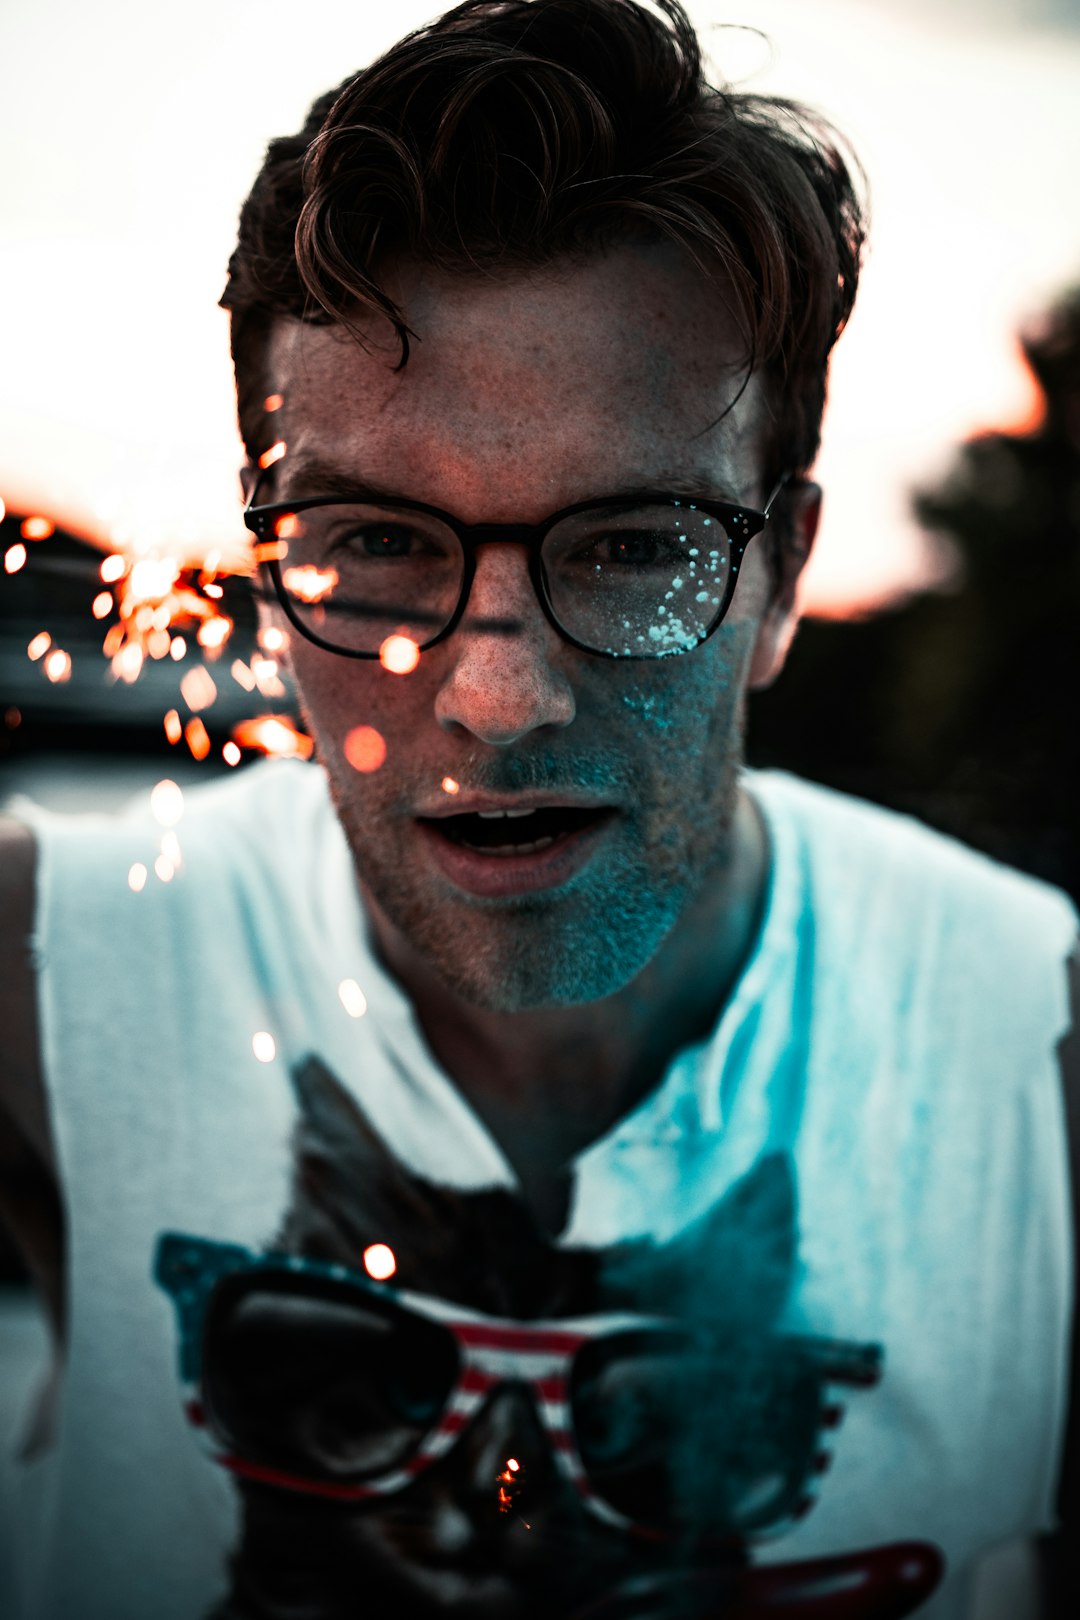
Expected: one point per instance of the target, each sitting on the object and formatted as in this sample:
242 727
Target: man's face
522 395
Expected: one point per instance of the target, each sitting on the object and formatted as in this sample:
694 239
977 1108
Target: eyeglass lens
641 581
319 1381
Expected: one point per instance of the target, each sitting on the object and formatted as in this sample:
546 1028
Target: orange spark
127 663
273 734
216 591
113 568
509 1484
215 632
275 453
3 511
152 578
365 748
197 688
265 674
379 1261
450 786
242 675
14 557
35 528
177 648
158 644
231 754
287 526
58 665
102 605
264 1046
12 715
399 654
39 645
197 738
173 729
273 402
272 640
270 550
114 640
309 583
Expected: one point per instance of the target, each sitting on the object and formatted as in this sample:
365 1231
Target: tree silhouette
963 708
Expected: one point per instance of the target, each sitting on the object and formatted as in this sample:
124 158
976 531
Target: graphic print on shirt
509 1429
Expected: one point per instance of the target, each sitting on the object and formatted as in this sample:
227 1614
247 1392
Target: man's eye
384 540
633 548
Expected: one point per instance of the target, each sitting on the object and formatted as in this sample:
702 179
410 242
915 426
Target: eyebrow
311 475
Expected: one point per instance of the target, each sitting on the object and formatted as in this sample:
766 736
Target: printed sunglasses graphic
312 1377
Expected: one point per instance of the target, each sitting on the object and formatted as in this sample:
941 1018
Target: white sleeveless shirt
893 1032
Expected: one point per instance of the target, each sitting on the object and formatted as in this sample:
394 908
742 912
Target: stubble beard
584 943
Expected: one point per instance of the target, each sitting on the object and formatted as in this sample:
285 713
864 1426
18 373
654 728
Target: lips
501 852
515 832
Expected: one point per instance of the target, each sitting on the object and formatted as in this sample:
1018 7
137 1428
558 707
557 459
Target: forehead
528 391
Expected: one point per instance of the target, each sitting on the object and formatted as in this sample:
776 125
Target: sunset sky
131 133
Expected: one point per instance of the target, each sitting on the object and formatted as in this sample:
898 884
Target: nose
505 678
494 1493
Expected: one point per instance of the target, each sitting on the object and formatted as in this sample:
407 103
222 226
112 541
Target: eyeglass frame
537 1355
746 520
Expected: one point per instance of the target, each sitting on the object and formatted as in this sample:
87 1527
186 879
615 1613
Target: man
531 333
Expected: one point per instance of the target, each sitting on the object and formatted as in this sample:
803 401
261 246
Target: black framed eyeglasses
645 575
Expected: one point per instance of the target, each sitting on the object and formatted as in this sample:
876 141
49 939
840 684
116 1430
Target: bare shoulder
1061 1554
30 1202
22 1092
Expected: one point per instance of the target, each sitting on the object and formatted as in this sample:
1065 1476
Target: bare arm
1060 1554
30 1204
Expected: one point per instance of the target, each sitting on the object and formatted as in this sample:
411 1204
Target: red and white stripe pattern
493 1352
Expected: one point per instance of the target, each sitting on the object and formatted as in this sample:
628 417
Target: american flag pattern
493 1351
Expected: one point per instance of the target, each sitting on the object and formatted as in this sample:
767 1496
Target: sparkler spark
273 402
230 753
399 654
509 1482
113 568
197 688
309 583
352 998
167 801
14 558
137 876
103 604
35 528
273 734
58 665
275 453
197 738
38 645
365 748
173 728
450 786
264 1046
380 1261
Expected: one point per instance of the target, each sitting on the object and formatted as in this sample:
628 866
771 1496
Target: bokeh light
365 748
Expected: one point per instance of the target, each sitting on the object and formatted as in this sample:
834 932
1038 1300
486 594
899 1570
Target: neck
548 1081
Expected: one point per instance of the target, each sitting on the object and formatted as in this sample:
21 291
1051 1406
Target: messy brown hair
509 133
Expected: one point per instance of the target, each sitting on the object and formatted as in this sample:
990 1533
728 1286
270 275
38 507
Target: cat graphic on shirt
464 1539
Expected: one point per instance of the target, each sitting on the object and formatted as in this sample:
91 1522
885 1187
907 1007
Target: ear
800 514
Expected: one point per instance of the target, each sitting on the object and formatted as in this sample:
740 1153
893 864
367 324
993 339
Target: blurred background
936 669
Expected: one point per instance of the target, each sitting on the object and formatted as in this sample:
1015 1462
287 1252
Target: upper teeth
494 815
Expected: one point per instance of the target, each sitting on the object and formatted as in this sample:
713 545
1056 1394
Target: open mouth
516 832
